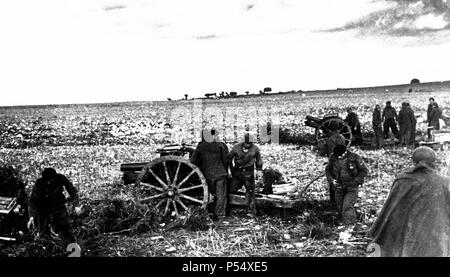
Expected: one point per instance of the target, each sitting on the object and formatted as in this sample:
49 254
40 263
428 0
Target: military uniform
412 137
406 119
377 128
390 116
355 126
244 171
349 172
47 202
415 218
211 157
433 119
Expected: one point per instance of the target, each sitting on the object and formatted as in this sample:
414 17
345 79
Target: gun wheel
324 131
172 185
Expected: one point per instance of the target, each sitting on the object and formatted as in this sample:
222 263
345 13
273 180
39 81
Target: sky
91 51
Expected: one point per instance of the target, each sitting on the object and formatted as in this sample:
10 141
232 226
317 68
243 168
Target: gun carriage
323 130
173 185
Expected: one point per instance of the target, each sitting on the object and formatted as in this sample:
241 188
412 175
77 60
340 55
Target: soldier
345 171
353 121
435 115
412 138
430 107
415 219
335 138
211 156
376 124
246 157
48 201
405 121
390 118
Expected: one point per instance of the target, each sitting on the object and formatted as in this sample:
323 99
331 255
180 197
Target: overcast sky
67 51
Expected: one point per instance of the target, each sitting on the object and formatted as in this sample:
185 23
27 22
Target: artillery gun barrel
313 118
132 166
313 122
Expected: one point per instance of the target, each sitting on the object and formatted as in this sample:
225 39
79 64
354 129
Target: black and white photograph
224 129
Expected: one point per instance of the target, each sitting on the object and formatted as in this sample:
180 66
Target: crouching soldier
246 157
47 202
345 172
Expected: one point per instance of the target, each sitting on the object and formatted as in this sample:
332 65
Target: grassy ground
88 144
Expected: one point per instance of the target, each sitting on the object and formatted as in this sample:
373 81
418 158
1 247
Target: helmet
424 154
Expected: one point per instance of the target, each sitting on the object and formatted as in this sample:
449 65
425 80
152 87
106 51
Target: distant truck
211 95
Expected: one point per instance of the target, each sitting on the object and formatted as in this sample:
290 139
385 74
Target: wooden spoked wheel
173 185
324 131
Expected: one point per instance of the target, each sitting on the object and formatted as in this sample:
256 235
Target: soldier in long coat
415 219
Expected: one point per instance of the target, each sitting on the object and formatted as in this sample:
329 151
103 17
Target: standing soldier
353 121
412 138
389 118
345 171
376 124
435 115
211 156
246 157
430 107
48 201
415 219
405 121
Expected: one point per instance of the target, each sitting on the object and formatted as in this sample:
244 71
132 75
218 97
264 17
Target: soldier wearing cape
415 219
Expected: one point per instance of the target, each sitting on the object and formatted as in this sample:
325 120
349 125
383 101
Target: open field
89 142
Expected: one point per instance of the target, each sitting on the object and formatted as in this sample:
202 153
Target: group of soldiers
386 121
226 171
419 197
415 218
389 118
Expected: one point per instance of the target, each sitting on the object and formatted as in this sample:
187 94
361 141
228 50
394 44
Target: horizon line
239 95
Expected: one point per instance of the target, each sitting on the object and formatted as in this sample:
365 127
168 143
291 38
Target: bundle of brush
292 136
36 247
196 219
270 177
116 215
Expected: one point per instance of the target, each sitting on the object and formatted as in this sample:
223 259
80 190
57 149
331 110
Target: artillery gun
174 185
323 130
